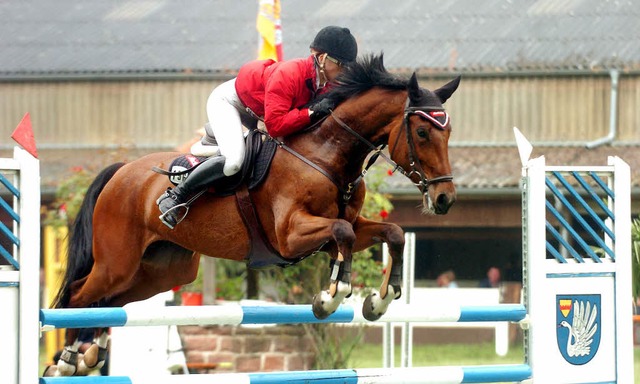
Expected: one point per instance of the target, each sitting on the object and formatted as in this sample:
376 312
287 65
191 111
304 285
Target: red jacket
276 91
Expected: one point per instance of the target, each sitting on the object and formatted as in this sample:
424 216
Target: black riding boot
200 178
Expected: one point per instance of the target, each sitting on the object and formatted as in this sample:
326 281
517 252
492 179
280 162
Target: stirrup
179 219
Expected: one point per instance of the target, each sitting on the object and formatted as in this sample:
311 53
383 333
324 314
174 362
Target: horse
120 252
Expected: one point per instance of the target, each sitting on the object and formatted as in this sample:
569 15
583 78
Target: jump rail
271 314
423 375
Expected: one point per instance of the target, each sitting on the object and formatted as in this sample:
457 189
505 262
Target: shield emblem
578 327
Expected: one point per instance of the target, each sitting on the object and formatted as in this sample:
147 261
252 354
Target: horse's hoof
51 371
91 356
398 292
318 307
368 310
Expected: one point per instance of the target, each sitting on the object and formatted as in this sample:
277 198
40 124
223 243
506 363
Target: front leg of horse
369 232
326 302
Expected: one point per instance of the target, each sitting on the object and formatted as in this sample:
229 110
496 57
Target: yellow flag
270 30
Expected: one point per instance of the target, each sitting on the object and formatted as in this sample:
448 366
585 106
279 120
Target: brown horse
120 252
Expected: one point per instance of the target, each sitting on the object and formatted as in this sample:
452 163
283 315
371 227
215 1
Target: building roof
69 37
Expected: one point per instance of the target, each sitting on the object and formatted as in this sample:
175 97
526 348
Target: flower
384 214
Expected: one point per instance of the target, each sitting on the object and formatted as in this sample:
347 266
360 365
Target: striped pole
423 375
273 314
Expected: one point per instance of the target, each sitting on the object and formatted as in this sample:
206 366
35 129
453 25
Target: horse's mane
367 72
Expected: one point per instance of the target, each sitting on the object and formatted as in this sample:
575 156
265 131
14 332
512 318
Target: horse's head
425 157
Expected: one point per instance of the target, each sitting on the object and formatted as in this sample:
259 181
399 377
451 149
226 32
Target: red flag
23 135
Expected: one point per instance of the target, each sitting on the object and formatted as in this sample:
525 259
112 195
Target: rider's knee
231 168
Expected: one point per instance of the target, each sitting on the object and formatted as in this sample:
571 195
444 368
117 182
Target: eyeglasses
335 61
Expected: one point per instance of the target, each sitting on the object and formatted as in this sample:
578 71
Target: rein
416 168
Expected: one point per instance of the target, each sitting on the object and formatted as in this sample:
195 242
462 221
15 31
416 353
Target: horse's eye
422 132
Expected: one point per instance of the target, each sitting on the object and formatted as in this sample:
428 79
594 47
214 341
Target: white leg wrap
380 305
64 368
330 304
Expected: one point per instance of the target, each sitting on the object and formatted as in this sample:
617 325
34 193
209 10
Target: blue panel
502 312
338 376
494 374
9 209
9 234
579 218
84 317
593 195
86 380
602 185
9 186
7 256
554 252
600 222
564 243
573 233
292 314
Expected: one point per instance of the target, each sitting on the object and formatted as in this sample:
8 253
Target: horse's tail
80 252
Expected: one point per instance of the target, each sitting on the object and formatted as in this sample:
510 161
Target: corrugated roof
499 167
69 36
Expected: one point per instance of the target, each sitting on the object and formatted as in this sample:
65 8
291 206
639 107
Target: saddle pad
254 169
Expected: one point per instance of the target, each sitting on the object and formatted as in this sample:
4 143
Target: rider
275 92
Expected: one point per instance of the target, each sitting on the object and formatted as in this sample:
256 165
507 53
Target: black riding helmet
337 42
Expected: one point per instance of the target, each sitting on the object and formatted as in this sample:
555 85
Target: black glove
321 109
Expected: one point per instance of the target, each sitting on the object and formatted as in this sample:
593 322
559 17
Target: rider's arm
284 90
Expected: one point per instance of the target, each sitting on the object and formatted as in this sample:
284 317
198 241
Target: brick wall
248 349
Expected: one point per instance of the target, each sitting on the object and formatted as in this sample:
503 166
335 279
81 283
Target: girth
261 253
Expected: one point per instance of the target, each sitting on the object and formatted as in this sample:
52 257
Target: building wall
156 113
106 113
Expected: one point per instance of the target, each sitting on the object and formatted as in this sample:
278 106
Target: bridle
440 120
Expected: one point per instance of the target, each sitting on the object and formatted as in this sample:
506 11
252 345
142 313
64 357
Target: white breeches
223 110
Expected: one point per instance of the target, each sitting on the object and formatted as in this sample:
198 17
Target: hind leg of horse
153 279
101 282
313 231
369 232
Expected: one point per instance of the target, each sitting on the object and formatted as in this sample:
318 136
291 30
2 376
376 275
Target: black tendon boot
200 178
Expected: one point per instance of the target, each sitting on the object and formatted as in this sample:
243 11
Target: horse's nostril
443 203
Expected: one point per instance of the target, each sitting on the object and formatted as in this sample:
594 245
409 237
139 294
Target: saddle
260 150
255 167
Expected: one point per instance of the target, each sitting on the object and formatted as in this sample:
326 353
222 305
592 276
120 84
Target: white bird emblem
582 329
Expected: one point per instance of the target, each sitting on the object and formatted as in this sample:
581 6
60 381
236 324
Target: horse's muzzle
443 202
438 199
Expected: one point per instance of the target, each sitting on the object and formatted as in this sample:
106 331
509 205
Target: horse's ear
445 92
414 89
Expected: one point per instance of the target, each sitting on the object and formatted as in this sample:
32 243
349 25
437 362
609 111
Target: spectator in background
492 280
447 279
